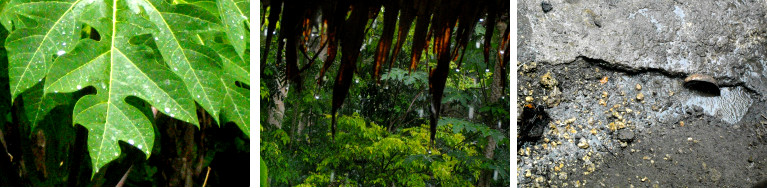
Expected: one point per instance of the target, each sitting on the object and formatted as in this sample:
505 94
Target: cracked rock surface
610 77
725 39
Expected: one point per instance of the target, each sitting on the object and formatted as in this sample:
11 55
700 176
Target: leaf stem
206 178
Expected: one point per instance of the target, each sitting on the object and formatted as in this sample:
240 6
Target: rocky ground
610 76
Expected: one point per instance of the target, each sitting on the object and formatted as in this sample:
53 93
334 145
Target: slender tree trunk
496 92
278 112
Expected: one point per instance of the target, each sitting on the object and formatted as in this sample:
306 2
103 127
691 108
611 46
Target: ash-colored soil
610 75
676 141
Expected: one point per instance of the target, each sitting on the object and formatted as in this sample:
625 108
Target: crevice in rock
724 82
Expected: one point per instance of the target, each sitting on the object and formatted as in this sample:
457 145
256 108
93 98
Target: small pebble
583 144
546 6
640 96
569 121
639 87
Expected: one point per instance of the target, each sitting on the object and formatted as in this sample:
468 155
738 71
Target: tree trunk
496 92
278 112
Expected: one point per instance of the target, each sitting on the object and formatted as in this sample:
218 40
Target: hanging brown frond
442 28
289 32
407 14
421 28
274 16
334 22
351 42
382 51
505 60
467 20
492 12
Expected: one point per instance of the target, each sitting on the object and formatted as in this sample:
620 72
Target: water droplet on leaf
130 141
167 110
79 87
60 52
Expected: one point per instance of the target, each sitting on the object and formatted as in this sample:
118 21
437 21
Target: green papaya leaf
8 17
176 33
209 5
31 50
139 54
234 21
233 65
118 70
37 103
236 105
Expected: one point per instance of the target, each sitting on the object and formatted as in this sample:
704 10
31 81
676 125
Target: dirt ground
615 127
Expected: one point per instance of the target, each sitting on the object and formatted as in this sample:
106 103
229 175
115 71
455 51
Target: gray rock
626 135
546 6
554 98
724 39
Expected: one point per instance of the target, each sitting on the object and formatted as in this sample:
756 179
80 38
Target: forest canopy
390 64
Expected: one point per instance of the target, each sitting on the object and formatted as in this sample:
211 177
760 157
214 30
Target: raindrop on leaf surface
167 110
